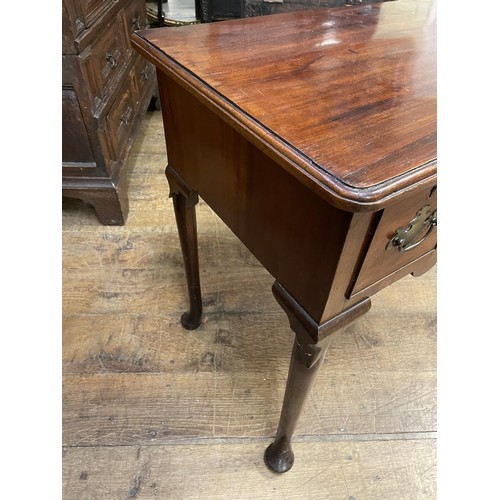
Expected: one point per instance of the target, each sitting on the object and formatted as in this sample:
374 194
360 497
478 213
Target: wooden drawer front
90 10
383 257
121 116
106 60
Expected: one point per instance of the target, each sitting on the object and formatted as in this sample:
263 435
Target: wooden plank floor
151 410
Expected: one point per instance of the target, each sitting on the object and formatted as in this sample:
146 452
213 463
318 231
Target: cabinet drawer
89 10
121 116
405 232
105 60
80 15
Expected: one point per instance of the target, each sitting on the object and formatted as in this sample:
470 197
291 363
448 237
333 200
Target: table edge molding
329 187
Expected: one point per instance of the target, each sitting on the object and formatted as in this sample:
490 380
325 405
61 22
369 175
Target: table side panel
296 235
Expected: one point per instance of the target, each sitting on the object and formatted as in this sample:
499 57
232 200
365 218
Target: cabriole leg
311 342
304 366
185 201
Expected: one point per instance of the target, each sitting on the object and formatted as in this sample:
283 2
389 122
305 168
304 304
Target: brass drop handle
111 59
136 24
405 238
125 116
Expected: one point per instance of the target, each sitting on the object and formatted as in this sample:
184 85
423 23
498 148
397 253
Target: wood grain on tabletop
384 53
145 402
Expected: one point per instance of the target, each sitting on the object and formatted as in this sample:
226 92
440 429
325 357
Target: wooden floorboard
151 410
375 470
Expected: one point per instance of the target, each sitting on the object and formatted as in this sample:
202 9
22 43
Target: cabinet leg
304 366
185 201
110 204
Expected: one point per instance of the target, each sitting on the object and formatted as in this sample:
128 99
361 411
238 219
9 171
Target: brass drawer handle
111 59
404 237
145 74
126 115
136 24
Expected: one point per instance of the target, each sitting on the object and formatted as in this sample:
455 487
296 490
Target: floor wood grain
151 410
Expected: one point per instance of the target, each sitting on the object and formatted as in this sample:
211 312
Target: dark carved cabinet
106 89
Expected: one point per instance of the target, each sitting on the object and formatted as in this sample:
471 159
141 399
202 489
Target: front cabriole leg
311 343
304 365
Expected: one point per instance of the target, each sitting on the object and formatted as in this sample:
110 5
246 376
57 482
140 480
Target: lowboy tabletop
349 95
312 135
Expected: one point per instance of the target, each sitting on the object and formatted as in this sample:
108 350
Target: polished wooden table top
348 96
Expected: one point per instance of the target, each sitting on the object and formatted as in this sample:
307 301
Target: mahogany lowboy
313 136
